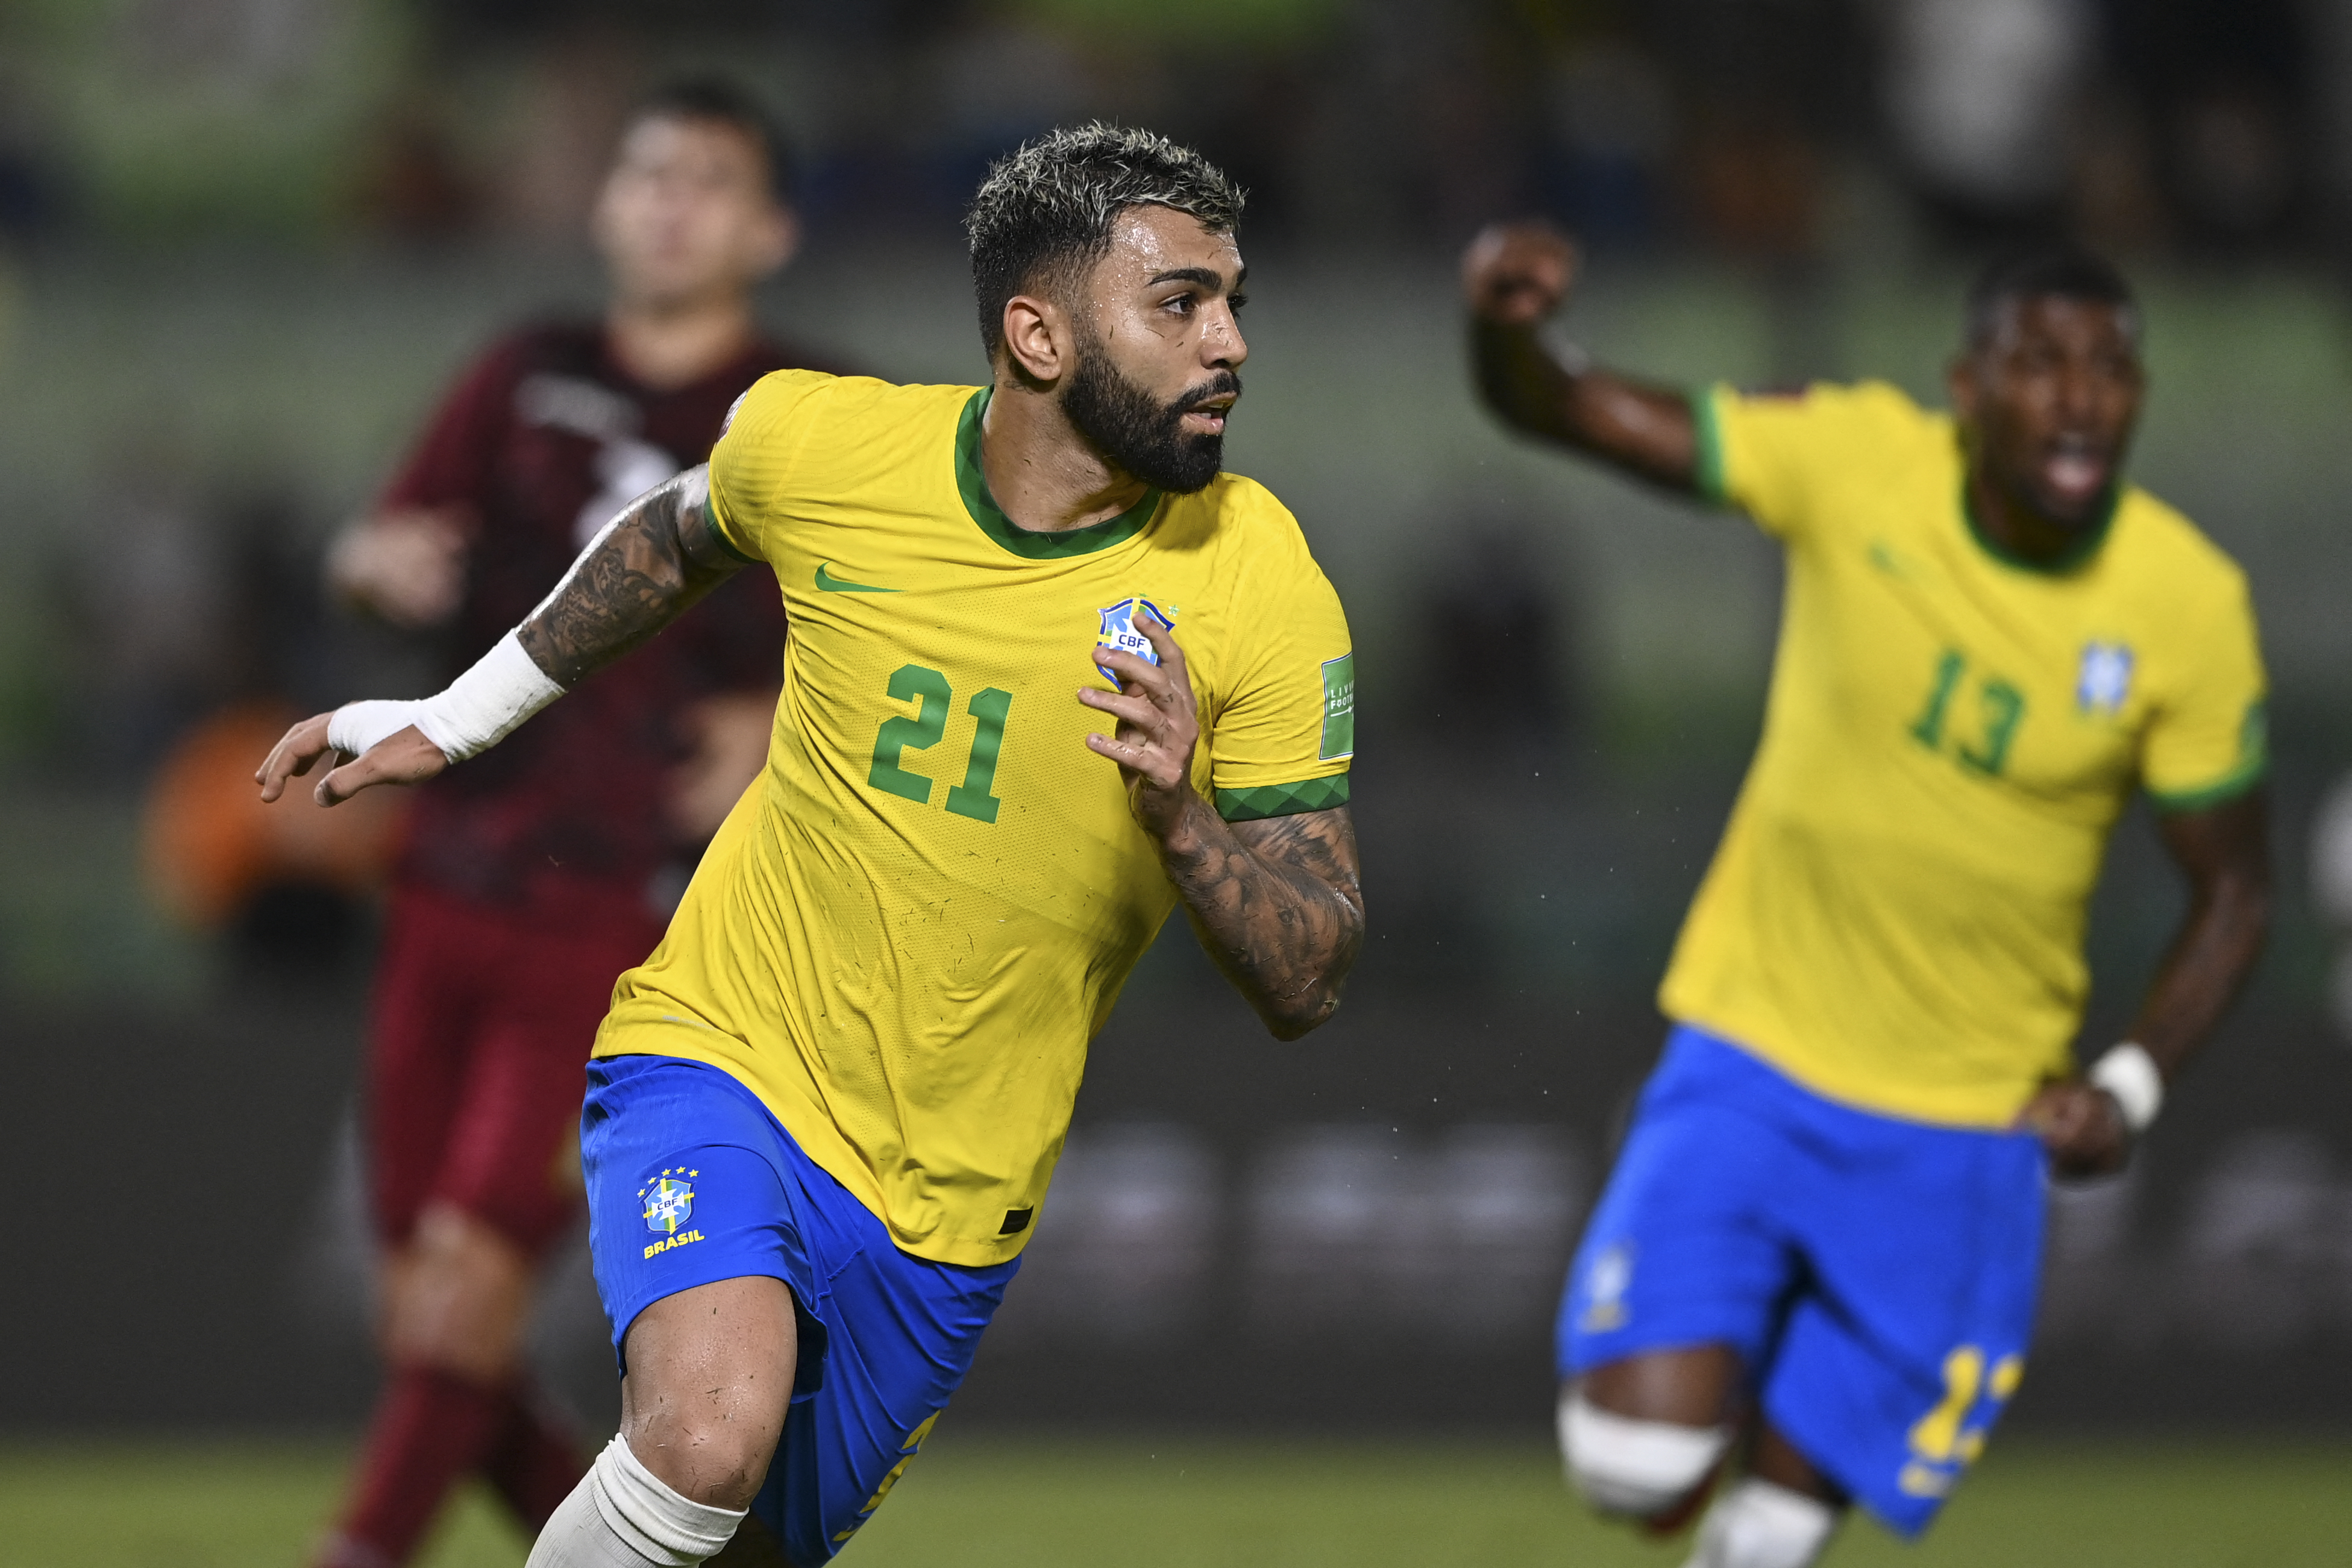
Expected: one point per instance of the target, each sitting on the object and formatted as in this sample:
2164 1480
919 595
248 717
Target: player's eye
1235 302
1184 304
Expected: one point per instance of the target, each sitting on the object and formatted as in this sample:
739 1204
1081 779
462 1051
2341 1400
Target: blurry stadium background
243 243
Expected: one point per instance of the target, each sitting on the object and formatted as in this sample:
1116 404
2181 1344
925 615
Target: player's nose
1223 347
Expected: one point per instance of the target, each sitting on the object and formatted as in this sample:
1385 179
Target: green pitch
990 1502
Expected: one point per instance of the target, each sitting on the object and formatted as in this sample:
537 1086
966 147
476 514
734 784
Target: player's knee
717 1462
458 1300
1760 1524
1625 1466
709 1385
624 1514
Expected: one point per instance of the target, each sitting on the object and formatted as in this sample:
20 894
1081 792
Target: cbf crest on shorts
669 1200
1119 630
1606 1284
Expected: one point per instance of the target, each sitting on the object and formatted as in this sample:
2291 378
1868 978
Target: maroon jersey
542 442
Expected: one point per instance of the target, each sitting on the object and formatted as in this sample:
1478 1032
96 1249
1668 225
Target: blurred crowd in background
245 243
2219 127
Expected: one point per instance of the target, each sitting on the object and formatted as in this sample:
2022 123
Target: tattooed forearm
635 577
1277 904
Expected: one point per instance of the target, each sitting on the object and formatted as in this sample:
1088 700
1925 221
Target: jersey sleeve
2207 741
752 464
1283 738
1774 455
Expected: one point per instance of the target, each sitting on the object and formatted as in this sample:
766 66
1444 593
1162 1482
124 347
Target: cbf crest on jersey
670 1200
2104 681
1118 631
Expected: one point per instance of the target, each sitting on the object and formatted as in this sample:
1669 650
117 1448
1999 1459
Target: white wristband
480 708
357 726
2130 1074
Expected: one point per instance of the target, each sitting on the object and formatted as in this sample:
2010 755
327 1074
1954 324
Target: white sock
622 1515
1760 1524
1625 1466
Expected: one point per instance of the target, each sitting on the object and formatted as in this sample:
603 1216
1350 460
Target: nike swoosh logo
827 583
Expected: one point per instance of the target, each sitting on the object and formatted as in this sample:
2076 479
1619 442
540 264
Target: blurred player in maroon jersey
528 883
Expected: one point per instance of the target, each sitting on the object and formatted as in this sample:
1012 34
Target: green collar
2067 560
1023 541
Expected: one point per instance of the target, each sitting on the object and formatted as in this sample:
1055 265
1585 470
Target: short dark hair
717 98
2060 271
1046 210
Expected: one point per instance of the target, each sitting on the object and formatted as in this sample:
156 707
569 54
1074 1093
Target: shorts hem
678 1288
1657 1343
1908 1518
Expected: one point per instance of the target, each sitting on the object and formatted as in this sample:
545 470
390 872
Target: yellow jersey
1894 916
912 925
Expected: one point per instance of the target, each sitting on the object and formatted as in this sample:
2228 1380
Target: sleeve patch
1706 427
1282 800
719 533
1338 709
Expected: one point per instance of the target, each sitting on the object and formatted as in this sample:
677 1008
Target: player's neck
2020 530
1041 472
669 344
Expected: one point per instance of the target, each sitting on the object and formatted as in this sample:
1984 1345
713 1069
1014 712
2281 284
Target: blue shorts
1876 1276
690 1181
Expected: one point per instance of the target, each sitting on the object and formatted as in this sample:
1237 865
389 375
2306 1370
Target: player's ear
1038 338
775 240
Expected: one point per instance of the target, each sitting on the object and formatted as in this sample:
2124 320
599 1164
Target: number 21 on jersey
923 728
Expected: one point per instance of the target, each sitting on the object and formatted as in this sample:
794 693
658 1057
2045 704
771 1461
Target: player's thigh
1911 1336
438 968
683 1188
1682 1254
900 1334
691 1180
512 1153
702 1270
1689 1385
710 1379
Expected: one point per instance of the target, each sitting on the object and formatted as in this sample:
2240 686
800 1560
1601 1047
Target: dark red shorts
478 1059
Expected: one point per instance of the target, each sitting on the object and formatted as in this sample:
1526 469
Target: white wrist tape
478 709
358 726
2130 1074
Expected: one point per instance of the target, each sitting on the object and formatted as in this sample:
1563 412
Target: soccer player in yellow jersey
1822 1233
1051 675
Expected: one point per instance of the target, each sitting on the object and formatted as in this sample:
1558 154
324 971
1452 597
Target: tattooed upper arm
1320 844
651 563
698 529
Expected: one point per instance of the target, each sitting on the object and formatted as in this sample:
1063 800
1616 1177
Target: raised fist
1517 274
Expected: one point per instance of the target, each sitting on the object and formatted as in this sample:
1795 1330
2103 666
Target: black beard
1145 438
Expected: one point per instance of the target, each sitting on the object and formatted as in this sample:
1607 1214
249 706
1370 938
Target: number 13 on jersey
924 728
